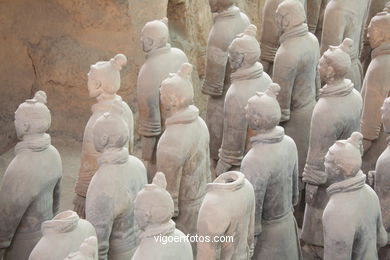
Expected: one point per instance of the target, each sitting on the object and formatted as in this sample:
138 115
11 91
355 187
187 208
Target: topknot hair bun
185 71
119 61
273 90
165 21
347 45
159 180
356 139
251 30
41 97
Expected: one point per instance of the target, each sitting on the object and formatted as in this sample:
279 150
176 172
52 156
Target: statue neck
105 96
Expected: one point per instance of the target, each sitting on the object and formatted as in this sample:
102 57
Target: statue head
155 34
217 6
110 131
344 158
379 29
153 204
104 76
336 61
289 14
87 250
386 115
32 116
244 51
263 110
176 91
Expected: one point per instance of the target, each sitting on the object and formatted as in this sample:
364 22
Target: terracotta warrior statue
295 70
183 149
228 210
315 16
153 211
103 84
375 7
376 87
61 236
113 189
381 179
336 116
345 19
269 39
87 250
228 22
247 78
30 187
161 59
275 183
352 218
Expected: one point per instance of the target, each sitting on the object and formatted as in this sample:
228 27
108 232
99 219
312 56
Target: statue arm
374 94
321 139
13 205
148 98
333 29
56 197
100 213
251 233
338 242
382 236
284 74
234 136
170 162
295 194
212 222
216 62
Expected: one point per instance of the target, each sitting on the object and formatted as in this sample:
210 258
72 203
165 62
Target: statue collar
350 184
339 90
105 104
164 229
114 156
253 72
229 13
274 136
383 49
185 116
158 51
64 222
294 32
228 181
36 143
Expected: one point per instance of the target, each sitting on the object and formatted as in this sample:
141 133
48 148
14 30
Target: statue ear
25 127
104 140
330 72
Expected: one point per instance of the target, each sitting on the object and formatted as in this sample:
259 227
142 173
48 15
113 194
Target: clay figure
345 19
269 39
295 70
103 84
153 211
352 219
381 179
376 87
315 16
61 236
375 7
336 116
228 209
274 176
30 187
113 188
228 22
161 59
87 250
247 78
183 149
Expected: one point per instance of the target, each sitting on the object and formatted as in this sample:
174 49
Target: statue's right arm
15 198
